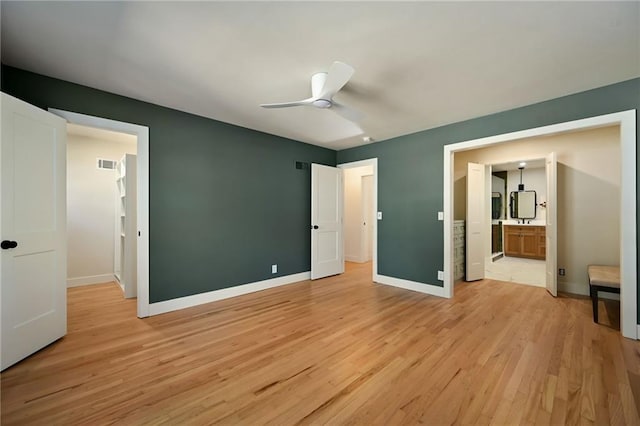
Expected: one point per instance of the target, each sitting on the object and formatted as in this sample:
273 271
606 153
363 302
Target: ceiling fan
324 86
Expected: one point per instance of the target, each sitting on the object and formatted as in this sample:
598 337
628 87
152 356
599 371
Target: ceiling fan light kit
321 103
324 86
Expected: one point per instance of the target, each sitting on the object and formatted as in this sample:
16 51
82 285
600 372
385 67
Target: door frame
361 163
142 163
366 237
626 120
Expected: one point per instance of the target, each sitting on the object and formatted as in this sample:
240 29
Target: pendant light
521 168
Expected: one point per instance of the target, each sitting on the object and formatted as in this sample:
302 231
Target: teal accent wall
410 174
225 202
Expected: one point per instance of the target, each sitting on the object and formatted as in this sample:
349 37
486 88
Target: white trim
225 293
142 156
431 289
90 279
374 163
627 122
583 290
574 288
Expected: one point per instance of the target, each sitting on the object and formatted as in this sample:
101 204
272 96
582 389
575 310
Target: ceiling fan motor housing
321 103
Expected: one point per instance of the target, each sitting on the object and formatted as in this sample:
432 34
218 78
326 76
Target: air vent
106 164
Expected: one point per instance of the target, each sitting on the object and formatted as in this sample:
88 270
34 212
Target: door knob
315 226
6 244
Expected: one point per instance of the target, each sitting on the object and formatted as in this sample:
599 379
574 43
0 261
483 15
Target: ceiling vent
106 164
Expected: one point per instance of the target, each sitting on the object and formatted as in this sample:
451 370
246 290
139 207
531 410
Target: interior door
551 229
32 228
327 252
476 225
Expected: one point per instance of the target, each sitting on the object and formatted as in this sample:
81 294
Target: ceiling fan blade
289 104
346 112
337 76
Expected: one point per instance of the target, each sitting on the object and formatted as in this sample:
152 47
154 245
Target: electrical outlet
440 215
441 275
274 269
561 272
379 215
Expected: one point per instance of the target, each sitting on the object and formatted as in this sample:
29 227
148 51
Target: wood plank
340 350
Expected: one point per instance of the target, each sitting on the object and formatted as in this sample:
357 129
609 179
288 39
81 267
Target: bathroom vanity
524 241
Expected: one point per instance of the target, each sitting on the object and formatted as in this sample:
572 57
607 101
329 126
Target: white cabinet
458 249
125 257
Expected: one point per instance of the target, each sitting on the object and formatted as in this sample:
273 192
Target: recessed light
522 164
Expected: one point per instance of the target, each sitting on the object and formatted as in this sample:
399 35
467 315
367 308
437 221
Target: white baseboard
574 288
225 293
411 285
583 290
91 279
356 259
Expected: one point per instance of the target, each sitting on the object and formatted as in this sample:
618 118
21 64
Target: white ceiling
418 65
515 165
102 134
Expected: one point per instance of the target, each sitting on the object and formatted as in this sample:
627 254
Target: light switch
441 275
379 215
440 215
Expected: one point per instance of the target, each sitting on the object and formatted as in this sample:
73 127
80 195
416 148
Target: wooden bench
602 278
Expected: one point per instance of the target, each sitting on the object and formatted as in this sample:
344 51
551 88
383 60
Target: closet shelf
125 261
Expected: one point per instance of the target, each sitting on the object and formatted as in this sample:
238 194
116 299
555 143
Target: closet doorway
141 133
101 208
359 217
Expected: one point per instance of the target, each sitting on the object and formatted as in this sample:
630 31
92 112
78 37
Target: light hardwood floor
338 350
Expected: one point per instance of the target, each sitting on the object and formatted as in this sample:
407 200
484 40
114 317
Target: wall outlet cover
440 215
441 275
274 269
379 215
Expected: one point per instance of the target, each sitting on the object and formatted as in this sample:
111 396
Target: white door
33 229
367 218
327 256
476 225
551 233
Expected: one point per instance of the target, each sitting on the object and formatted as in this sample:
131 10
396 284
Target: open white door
33 229
476 225
327 256
551 230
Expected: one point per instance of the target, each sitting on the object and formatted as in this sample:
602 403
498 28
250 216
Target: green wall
225 202
410 180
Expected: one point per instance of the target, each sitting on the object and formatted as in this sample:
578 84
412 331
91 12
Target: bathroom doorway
516 246
588 196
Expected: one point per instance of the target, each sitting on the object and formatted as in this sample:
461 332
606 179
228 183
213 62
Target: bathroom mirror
523 204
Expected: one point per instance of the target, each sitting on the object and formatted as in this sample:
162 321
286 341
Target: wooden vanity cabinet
542 245
524 241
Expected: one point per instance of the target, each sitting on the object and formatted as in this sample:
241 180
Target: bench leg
594 301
